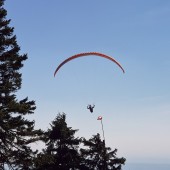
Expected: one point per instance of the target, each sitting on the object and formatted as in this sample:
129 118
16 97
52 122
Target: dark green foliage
97 156
16 132
93 153
62 147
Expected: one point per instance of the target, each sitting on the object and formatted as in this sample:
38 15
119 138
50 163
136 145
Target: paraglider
87 54
90 107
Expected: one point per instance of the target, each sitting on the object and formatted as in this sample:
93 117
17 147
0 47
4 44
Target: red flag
99 118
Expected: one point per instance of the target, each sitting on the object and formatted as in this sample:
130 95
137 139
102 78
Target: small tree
62 147
97 156
16 132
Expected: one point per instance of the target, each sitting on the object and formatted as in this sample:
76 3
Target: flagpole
100 118
102 130
104 145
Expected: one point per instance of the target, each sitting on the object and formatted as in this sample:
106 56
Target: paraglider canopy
87 54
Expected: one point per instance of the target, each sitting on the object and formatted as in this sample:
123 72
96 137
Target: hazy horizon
145 166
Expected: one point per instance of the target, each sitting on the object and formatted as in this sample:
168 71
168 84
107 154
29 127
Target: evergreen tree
98 157
61 152
16 132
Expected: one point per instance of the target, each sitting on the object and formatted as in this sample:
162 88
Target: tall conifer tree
16 132
61 151
97 156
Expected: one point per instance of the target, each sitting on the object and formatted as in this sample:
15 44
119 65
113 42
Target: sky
135 106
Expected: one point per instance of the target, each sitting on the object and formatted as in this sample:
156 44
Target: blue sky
135 105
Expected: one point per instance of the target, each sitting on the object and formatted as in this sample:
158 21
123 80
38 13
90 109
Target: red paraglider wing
86 54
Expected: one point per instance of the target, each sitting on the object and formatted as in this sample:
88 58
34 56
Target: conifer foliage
61 147
16 132
97 156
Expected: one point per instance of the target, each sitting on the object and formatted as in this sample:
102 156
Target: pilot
90 107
